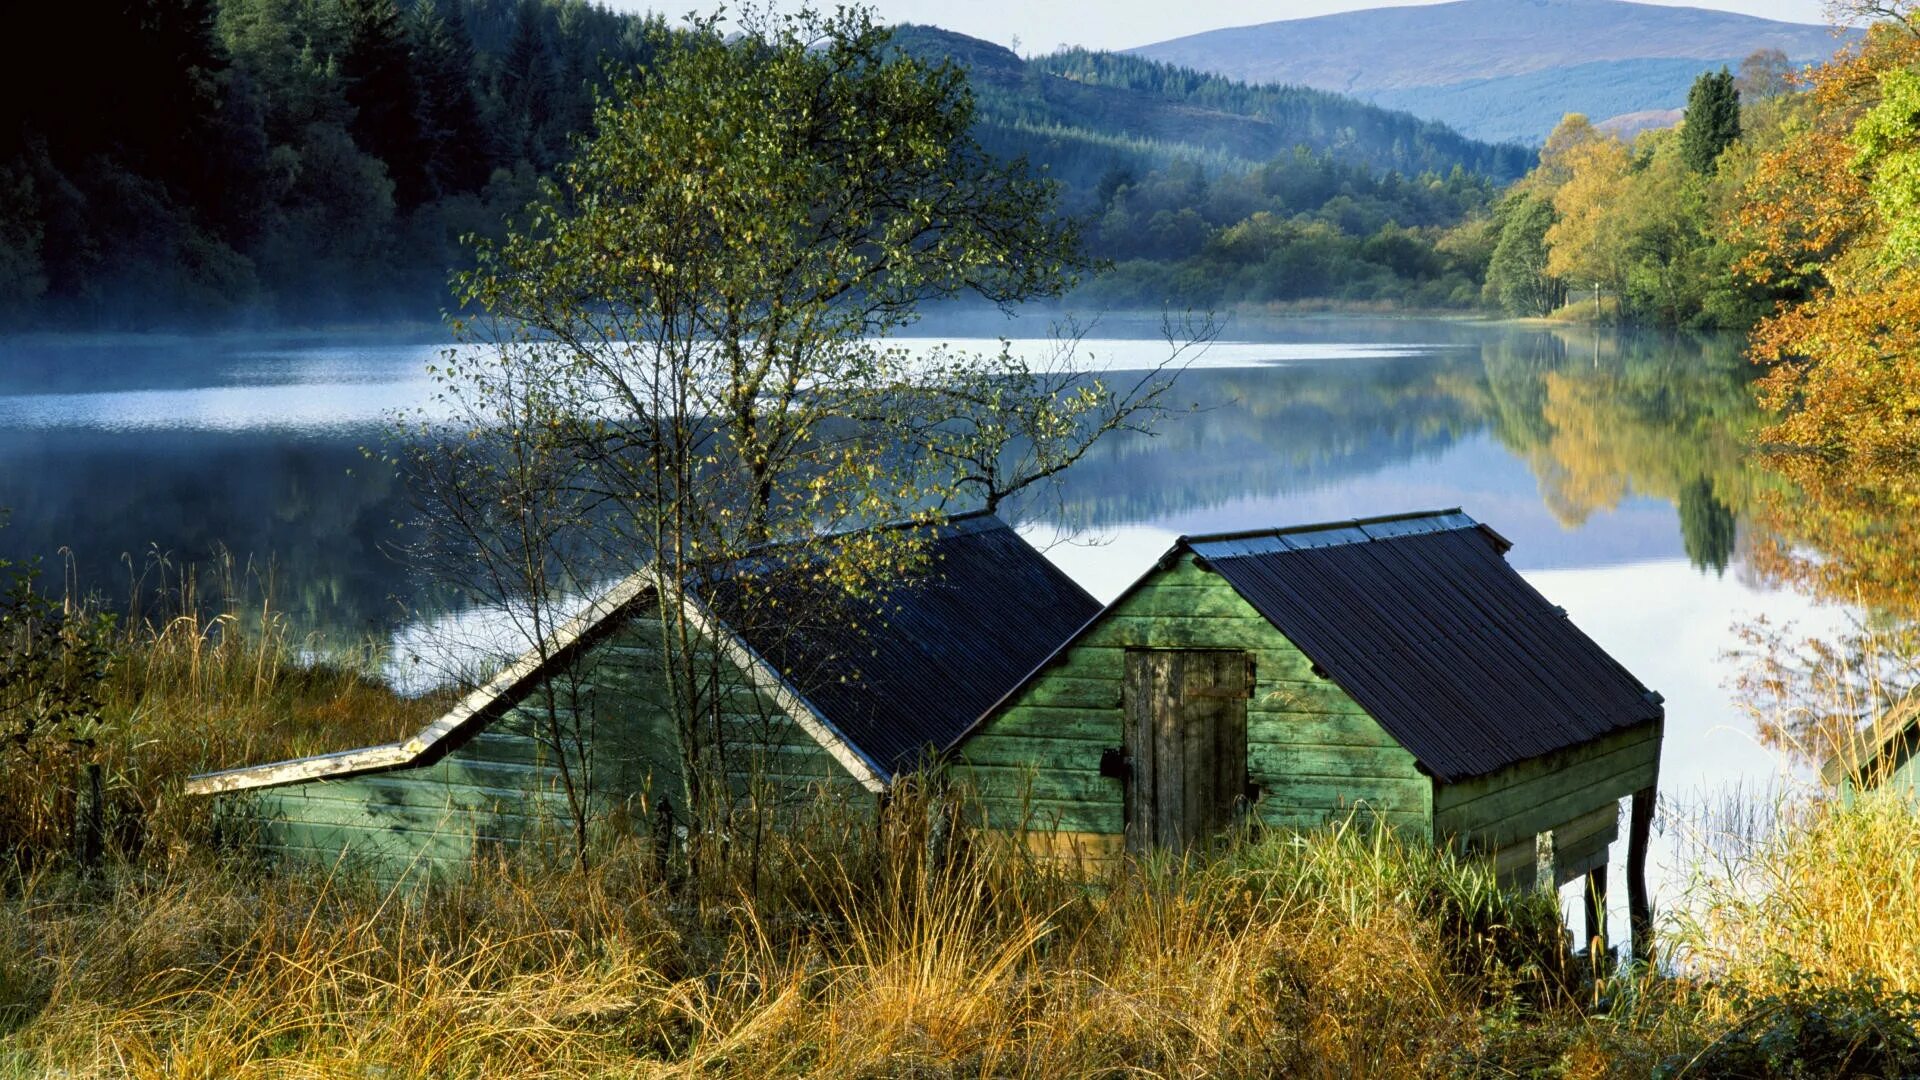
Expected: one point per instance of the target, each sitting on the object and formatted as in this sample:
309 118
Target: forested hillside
1081 113
307 159
234 161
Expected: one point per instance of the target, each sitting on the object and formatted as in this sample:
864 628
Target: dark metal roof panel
910 671
1426 625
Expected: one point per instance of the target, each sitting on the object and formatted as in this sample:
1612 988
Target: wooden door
1186 743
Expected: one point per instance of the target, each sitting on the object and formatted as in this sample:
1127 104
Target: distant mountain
1525 107
1083 114
1498 69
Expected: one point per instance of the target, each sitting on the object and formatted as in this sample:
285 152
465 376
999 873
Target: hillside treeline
203 160
1304 227
1350 128
222 161
1648 231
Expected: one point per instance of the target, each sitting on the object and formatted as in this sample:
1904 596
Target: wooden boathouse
1883 757
833 707
1395 665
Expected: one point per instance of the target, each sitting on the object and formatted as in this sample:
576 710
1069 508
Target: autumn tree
1559 153
1831 211
1828 214
684 361
1588 241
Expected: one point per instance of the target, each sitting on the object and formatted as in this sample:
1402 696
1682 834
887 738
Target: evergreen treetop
1712 119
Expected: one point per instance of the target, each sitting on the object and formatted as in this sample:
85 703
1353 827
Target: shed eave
1866 747
484 704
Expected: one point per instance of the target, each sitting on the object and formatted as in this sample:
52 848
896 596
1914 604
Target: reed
1321 954
203 671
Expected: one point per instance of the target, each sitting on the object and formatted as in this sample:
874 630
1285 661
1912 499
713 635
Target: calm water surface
1612 462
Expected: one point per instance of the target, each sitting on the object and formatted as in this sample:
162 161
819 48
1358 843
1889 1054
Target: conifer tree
1712 120
456 142
525 86
380 87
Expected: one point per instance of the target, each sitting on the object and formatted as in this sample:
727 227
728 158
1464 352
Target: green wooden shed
1393 665
844 705
1884 756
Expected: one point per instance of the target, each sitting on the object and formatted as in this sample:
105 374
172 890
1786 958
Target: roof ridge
1328 534
1319 526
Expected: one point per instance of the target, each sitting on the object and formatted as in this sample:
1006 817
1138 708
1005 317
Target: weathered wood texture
502 784
1508 808
1313 754
1578 846
1894 771
1185 744
1639 902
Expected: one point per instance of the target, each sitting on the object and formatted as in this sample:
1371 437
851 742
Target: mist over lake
1579 447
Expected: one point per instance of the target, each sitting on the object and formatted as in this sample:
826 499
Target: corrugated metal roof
1421 619
908 672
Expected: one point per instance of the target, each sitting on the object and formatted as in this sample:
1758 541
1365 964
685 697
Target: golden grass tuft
1830 898
209 678
1320 955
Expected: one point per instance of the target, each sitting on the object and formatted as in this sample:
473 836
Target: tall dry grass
205 673
1819 889
1830 897
845 949
1339 953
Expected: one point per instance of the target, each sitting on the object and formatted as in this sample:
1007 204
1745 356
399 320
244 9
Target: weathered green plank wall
1574 792
1312 750
1906 777
502 786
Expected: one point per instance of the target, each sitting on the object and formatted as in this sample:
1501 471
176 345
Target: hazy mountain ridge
1083 113
1525 107
1498 69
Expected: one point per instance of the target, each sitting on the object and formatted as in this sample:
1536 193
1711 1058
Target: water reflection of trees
1838 529
310 519
1601 417
1597 419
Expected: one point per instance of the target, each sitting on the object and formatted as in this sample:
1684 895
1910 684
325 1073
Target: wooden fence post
90 822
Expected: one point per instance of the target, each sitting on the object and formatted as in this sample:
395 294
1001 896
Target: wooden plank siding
500 785
1508 808
1313 752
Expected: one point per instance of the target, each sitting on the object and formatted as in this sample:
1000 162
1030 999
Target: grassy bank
1334 953
206 673
1339 954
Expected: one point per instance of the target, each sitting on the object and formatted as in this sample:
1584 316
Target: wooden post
662 836
90 821
1545 875
1597 911
1639 907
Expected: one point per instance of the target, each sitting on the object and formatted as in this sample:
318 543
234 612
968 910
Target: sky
1043 25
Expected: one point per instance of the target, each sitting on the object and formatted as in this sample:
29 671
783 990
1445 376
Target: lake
1613 462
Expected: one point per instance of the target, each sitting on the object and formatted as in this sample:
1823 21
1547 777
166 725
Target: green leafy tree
1517 275
1712 120
687 359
